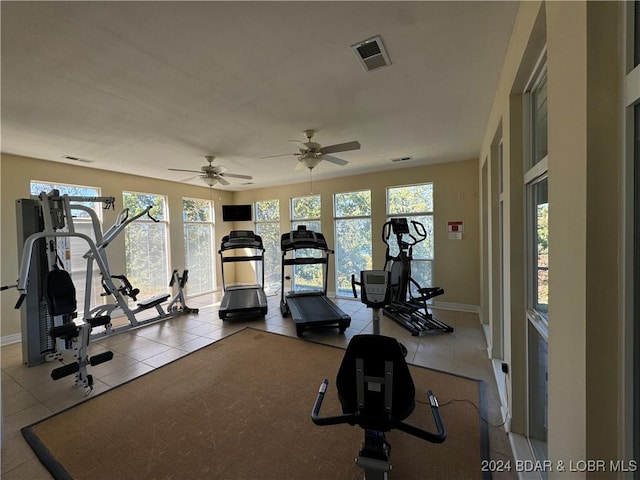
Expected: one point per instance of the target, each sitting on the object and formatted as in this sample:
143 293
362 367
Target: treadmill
242 300
309 308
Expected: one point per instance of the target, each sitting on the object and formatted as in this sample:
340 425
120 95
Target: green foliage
270 233
194 210
353 204
268 211
146 248
353 251
410 199
198 245
136 202
305 207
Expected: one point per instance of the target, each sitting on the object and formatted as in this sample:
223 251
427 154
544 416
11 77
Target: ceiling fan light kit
212 174
209 180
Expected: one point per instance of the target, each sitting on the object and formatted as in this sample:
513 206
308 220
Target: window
633 117
307 211
198 244
146 244
353 237
415 202
267 225
636 280
76 265
538 118
537 258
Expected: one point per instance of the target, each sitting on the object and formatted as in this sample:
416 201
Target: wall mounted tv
236 213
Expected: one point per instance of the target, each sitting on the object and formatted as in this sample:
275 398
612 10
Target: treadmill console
241 239
375 288
302 238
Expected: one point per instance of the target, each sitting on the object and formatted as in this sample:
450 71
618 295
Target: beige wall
16 174
455 195
584 132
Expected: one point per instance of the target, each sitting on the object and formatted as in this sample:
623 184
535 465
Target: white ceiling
140 87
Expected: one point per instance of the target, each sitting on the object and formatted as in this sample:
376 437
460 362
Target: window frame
82 222
212 235
337 219
294 222
276 271
535 170
146 220
430 261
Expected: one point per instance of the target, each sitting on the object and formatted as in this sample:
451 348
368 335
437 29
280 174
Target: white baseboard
9 339
460 307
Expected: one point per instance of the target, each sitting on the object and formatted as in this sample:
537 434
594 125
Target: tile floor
29 394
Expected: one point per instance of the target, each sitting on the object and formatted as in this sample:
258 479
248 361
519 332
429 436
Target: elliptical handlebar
419 229
354 282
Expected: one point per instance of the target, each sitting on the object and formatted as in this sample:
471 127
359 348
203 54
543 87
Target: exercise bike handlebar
315 413
438 437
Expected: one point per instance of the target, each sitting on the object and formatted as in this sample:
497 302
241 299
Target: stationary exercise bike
406 308
375 389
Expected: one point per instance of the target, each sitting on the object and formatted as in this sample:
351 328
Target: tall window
636 283
267 225
353 237
198 244
74 263
147 245
537 254
632 120
415 203
307 211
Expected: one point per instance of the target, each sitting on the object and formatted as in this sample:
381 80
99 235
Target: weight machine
409 310
122 287
47 327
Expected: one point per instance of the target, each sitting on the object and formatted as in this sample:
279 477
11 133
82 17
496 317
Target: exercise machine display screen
375 287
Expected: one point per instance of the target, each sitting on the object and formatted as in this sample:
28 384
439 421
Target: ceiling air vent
402 159
77 159
371 54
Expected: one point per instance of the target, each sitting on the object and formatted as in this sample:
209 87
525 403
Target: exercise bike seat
375 353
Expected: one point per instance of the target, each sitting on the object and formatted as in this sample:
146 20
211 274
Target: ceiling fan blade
235 175
300 145
181 170
341 147
222 180
280 155
334 160
189 178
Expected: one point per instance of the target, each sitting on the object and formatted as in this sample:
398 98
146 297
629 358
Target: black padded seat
375 351
60 293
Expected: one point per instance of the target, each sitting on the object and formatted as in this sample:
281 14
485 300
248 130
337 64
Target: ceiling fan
311 153
212 174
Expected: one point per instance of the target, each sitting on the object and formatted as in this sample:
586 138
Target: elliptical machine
405 308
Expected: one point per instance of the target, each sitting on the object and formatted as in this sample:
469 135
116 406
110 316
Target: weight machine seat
375 351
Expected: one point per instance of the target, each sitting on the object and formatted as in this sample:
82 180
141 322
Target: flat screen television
236 213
